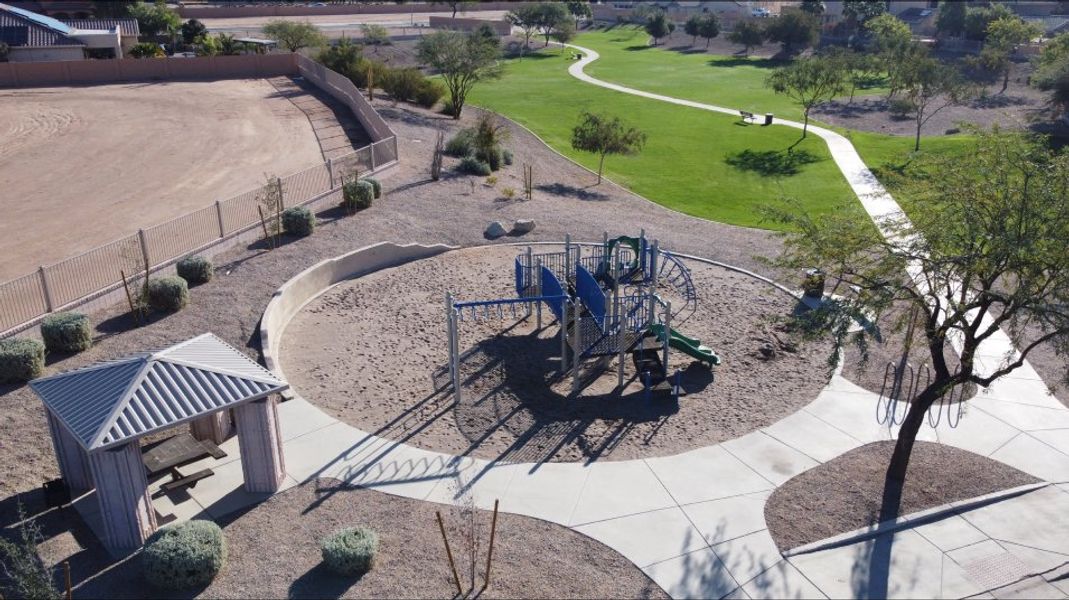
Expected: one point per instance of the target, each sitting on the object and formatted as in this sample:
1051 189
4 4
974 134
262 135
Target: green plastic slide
687 345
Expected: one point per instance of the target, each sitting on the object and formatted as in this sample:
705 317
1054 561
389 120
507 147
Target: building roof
117 401
20 27
129 26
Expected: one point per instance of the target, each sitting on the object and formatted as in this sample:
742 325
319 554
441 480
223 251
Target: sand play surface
82 166
372 352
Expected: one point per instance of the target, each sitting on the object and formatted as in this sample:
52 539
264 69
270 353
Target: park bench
746 115
178 482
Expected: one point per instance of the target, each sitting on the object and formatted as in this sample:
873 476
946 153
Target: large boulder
523 225
495 230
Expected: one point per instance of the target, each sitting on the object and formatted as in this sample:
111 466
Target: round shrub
184 556
169 293
357 195
506 156
350 551
21 360
376 185
474 166
429 93
462 144
195 269
298 221
66 332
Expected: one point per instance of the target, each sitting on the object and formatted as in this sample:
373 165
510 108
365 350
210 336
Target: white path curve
694 522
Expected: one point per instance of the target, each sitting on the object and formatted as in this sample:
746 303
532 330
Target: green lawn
684 164
729 81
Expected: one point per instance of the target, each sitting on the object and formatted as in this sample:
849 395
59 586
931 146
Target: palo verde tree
951 19
794 30
603 135
658 26
527 17
748 34
1004 36
929 86
979 252
462 60
579 10
551 16
808 81
292 35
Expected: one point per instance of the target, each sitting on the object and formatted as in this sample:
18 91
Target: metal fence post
47 289
144 249
219 214
330 171
373 155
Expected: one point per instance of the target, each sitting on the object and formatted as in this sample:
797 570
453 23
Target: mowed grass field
684 164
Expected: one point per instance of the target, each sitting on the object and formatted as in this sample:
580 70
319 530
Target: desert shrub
183 556
429 93
350 551
474 166
195 269
66 332
506 156
508 193
495 158
447 107
357 194
146 50
491 180
462 144
298 221
402 84
376 185
900 107
21 360
169 293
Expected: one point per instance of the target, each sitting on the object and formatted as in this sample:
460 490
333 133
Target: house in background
33 37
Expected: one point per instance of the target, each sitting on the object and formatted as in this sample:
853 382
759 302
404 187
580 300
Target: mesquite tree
928 86
808 81
982 250
462 60
604 135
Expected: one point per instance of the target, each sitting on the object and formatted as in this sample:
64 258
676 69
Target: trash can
768 118
814 283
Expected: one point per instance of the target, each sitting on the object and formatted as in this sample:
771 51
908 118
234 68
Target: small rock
495 230
523 225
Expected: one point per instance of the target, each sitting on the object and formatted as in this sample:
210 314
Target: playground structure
604 300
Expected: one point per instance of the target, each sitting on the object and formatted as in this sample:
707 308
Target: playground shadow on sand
512 383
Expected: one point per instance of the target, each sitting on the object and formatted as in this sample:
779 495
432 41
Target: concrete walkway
694 522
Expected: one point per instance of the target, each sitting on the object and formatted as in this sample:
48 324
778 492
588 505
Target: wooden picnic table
176 451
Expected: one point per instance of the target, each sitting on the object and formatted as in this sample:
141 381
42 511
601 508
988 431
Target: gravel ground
532 558
1019 107
846 492
378 364
413 209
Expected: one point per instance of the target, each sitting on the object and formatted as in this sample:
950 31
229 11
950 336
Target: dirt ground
847 492
99 162
532 558
373 353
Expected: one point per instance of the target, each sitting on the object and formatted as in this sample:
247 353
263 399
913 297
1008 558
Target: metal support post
667 334
538 291
50 304
144 249
219 216
330 171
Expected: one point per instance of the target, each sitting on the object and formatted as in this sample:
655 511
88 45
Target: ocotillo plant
528 181
436 158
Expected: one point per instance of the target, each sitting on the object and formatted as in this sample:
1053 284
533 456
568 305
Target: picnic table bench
746 115
177 451
180 481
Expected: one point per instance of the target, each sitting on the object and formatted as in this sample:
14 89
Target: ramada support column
71 457
260 441
214 427
122 491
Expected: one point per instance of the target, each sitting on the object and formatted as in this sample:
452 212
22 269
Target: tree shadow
637 48
871 570
740 61
321 582
562 189
771 163
126 321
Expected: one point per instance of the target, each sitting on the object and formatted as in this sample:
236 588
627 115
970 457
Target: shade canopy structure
113 402
97 414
